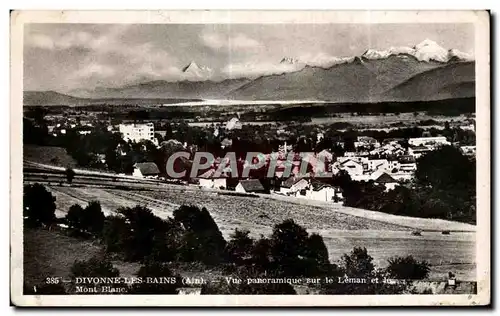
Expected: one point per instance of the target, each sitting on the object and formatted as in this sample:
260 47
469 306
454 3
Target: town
386 158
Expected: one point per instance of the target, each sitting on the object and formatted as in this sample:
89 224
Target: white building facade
137 132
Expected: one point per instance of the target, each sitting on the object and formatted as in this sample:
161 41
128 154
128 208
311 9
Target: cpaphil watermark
304 164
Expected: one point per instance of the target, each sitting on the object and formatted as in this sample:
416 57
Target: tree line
191 236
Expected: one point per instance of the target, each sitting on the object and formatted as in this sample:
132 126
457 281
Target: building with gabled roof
146 169
389 182
250 186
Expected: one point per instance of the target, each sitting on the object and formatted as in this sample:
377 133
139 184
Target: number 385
52 280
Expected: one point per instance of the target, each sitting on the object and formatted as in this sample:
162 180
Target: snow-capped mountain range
426 71
425 51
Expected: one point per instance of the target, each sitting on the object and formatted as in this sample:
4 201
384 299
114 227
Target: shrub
156 279
90 219
144 227
202 240
94 217
245 289
239 248
288 241
94 267
70 174
358 263
38 205
114 234
261 254
74 217
408 268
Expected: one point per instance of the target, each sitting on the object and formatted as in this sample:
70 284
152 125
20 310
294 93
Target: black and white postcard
250 158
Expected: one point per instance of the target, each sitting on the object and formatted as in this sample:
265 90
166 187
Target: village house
146 170
209 181
353 167
377 164
407 164
316 190
366 142
389 182
434 141
250 186
468 150
418 151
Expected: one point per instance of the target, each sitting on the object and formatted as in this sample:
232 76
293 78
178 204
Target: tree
202 240
114 234
446 168
316 249
261 254
38 205
407 268
240 246
74 217
156 279
70 174
90 219
288 241
358 263
144 227
94 217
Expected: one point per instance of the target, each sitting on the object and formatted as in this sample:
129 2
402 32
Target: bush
165 284
94 267
38 205
90 219
358 267
70 174
408 268
74 216
243 274
167 245
114 234
358 263
202 240
223 288
288 241
239 248
261 254
144 228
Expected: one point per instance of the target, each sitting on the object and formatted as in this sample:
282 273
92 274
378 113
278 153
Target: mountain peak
426 51
289 60
193 71
427 43
191 65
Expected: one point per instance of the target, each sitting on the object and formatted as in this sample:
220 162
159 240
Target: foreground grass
51 254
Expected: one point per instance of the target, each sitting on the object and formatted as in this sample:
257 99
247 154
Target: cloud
252 70
217 41
323 59
94 58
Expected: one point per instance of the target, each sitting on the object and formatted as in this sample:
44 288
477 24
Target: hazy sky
63 57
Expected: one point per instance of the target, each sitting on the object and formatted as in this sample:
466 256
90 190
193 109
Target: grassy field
55 156
342 228
50 254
